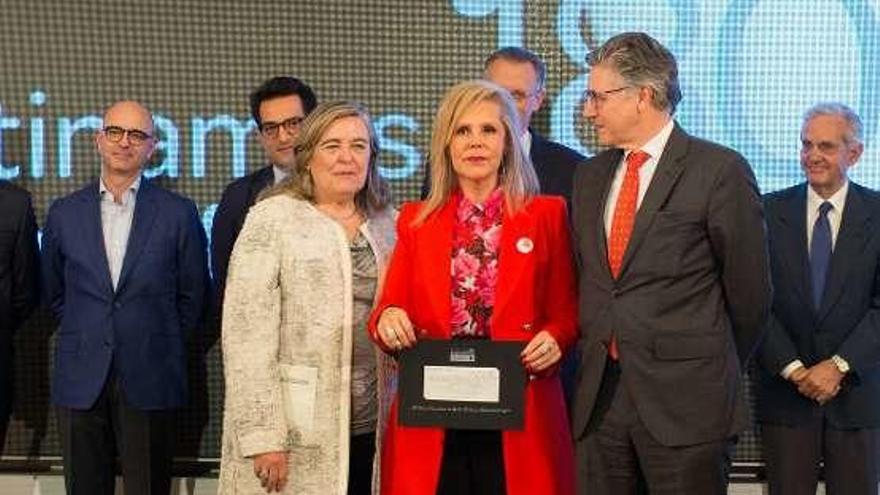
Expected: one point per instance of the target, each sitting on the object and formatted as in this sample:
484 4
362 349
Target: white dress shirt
278 173
116 221
653 147
527 142
835 214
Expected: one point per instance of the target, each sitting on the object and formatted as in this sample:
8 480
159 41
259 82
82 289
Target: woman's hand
271 469
395 330
541 352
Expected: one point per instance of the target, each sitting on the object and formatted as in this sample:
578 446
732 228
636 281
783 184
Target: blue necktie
820 252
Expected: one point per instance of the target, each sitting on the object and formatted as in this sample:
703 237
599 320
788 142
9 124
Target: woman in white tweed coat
304 386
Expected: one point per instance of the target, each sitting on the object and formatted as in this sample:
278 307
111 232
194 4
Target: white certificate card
462 384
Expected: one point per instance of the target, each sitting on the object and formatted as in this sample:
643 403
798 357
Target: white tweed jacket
287 346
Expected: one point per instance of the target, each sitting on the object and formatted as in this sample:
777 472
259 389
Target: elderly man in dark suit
125 273
278 106
819 375
674 285
19 276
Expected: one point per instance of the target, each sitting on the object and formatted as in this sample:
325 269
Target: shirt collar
491 208
526 140
656 144
278 173
837 200
133 188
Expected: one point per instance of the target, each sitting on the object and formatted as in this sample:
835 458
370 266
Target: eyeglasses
291 125
600 97
136 137
825 147
520 96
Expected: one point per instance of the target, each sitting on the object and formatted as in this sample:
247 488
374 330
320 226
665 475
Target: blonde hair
516 176
375 195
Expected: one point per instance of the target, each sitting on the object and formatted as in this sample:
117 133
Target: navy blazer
847 322
236 201
140 328
555 165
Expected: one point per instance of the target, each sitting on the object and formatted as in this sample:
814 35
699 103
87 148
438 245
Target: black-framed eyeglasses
291 125
135 136
600 97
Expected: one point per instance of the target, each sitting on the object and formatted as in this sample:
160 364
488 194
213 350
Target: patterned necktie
623 220
820 252
625 211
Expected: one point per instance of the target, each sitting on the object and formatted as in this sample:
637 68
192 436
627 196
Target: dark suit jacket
235 202
692 296
141 327
554 164
847 323
19 276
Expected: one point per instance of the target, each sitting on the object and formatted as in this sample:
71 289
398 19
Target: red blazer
536 291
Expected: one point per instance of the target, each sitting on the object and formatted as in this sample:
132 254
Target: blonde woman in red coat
483 257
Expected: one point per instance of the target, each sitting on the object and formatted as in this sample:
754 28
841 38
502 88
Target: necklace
342 218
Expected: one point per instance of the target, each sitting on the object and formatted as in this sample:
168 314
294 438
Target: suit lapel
666 175
536 150
511 261
94 234
141 226
793 216
849 246
265 178
436 251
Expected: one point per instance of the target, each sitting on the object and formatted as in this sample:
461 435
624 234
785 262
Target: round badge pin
525 245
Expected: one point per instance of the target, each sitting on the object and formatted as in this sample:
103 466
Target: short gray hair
520 55
838 110
643 62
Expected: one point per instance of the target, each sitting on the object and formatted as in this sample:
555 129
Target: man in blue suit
818 393
125 273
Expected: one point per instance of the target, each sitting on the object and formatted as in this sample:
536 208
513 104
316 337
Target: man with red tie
674 285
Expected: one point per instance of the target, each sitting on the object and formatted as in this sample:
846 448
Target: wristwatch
841 363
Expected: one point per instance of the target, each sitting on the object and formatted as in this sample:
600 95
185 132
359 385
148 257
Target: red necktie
623 220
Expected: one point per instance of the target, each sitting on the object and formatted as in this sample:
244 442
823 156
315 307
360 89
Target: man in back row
818 394
523 74
278 106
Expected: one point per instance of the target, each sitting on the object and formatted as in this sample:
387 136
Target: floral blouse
475 240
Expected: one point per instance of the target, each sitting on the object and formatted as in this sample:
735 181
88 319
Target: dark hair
282 86
517 54
642 62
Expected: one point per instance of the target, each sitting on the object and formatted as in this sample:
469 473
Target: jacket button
117 305
614 292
